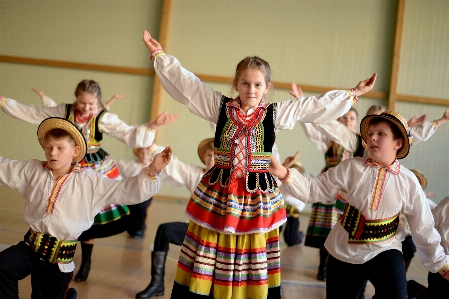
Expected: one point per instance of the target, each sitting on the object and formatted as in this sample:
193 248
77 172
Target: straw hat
397 120
421 178
60 123
203 146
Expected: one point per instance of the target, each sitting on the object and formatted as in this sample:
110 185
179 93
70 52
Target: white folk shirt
66 207
441 215
378 193
141 136
203 101
322 135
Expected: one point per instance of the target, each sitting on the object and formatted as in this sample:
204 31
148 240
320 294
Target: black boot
322 267
156 286
86 253
71 294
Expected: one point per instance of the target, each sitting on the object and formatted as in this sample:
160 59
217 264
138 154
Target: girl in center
231 248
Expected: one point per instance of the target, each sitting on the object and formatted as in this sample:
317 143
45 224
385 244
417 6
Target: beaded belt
51 249
361 230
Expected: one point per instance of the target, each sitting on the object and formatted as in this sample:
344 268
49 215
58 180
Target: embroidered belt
258 162
361 230
49 248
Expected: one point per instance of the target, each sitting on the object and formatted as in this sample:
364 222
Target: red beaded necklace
82 119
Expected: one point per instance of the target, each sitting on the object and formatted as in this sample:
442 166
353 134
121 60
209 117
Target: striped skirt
102 163
233 210
224 266
322 219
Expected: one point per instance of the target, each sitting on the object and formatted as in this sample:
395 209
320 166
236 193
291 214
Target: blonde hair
92 87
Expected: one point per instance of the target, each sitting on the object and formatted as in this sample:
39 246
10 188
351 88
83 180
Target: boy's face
59 153
209 158
381 144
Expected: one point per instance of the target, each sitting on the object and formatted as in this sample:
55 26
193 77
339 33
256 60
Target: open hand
160 161
39 92
296 91
365 85
150 42
288 162
416 121
163 119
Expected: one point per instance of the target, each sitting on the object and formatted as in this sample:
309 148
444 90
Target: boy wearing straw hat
61 202
366 243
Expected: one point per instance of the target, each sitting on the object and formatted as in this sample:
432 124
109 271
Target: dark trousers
386 272
19 261
170 232
291 231
438 286
137 216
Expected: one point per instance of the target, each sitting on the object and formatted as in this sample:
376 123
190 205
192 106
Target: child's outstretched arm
183 86
163 119
46 100
423 131
319 109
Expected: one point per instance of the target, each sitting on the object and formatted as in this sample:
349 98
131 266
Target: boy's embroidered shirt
378 194
67 207
141 136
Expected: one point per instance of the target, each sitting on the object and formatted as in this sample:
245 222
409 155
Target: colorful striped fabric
229 266
235 210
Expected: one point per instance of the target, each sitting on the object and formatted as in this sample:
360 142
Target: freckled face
381 144
251 87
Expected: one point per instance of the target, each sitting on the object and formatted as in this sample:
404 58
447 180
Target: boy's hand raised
365 85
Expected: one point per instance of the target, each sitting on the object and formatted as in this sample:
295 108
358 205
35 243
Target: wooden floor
121 265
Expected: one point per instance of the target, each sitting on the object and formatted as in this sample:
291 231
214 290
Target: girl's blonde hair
92 87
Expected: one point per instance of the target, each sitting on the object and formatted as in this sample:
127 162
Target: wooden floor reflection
121 265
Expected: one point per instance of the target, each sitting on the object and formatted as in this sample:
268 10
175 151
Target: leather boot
71 294
321 275
86 253
156 286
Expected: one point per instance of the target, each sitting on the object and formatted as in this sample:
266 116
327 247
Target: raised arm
423 130
133 136
111 101
46 100
182 85
320 109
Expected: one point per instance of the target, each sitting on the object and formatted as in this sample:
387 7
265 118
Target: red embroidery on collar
394 167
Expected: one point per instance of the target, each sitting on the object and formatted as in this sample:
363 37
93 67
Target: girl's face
251 87
381 144
86 103
144 156
349 120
